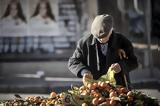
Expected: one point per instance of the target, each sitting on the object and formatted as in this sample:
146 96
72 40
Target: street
44 77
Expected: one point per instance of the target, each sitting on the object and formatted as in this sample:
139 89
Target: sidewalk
55 80
140 78
145 75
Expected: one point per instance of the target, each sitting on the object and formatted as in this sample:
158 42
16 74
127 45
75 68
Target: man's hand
122 54
87 77
116 67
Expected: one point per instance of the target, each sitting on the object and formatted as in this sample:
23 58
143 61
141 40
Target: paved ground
8 96
50 68
44 77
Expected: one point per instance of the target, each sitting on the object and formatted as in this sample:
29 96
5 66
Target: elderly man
102 49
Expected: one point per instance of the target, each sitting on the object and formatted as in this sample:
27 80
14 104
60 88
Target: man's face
106 38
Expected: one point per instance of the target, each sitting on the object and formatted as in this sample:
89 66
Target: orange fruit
118 104
53 95
101 99
15 104
112 94
59 105
111 90
84 104
37 99
91 86
95 101
123 90
95 85
103 85
43 104
84 93
112 102
99 83
105 104
97 94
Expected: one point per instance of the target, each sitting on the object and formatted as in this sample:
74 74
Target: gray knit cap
101 25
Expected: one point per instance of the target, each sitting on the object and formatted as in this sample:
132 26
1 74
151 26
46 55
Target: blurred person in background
103 49
43 14
13 16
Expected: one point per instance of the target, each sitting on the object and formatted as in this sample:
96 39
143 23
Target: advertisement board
29 17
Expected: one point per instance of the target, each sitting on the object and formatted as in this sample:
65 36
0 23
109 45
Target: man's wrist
85 71
116 67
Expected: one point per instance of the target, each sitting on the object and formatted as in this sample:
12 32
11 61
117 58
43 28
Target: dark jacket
86 56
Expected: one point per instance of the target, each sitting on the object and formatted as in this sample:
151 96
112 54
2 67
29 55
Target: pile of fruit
96 93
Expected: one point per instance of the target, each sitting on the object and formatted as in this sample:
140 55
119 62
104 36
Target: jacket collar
94 40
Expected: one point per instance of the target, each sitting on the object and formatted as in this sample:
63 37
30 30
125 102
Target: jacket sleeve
76 61
130 63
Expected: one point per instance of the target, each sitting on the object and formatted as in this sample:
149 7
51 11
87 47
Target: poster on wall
43 18
29 18
13 17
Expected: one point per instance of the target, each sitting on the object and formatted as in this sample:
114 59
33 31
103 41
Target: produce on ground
102 92
95 93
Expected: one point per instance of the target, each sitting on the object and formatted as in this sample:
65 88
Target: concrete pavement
44 77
